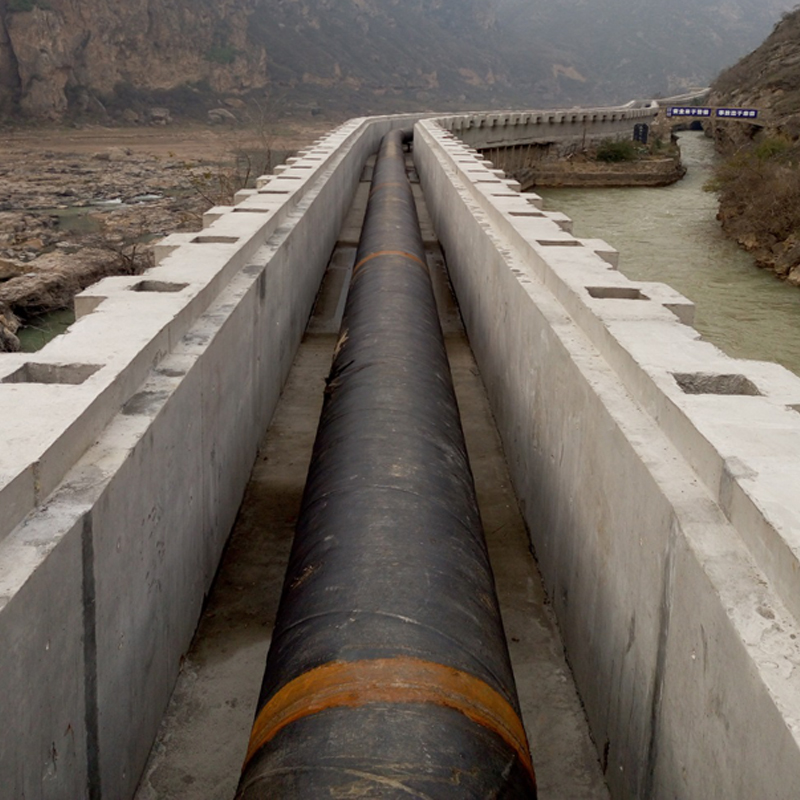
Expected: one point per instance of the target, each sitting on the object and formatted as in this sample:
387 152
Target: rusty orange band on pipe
353 684
389 253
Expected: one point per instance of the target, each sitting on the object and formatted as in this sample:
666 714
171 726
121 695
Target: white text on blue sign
688 111
737 113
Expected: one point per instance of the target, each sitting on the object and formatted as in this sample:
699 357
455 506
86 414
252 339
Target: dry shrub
759 196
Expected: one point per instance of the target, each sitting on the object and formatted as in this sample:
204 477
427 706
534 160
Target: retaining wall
656 476
128 443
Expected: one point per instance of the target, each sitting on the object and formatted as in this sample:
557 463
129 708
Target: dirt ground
78 204
186 141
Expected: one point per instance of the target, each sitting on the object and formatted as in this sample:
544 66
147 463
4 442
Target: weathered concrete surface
679 636
123 475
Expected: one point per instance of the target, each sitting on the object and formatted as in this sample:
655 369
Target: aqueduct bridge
658 477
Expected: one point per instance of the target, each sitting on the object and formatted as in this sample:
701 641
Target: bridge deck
204 735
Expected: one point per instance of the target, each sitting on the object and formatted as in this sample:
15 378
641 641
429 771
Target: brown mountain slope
759 184
59 57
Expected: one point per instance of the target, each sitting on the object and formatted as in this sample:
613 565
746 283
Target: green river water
671 235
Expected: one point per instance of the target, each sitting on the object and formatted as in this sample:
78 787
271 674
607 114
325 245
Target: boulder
10 269
218 116
160 116
9 343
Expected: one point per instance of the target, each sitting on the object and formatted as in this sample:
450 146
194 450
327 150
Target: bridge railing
512 128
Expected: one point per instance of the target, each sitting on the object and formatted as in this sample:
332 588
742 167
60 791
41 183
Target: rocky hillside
768 79
60 57
81 55
622 49
759 183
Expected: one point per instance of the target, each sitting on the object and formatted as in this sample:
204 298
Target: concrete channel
203 736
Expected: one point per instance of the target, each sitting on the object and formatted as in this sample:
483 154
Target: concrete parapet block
169 244
682 307
215 213
242 195
608 253
562 220
533 198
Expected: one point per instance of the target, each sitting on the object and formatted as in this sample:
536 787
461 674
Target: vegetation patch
222 54
612 151
18 6
189 100
759 198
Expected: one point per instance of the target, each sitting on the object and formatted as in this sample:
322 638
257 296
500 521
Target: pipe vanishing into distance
388 674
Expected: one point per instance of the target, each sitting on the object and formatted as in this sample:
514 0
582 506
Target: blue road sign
737 113
688 111
704 111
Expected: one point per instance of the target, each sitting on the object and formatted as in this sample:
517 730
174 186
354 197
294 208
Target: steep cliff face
363 56
82 52
767 79
623 49
759 183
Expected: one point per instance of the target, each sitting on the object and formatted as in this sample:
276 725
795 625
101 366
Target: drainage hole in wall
701 383
273 191
215 240
158 286
52 373
525 213
559 243
615 293
238 210
795 408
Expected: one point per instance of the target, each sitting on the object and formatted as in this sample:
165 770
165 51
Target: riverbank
80 204
584 173
671 235
758 189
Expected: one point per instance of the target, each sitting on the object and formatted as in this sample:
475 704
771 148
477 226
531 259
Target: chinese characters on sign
688 111
702 111
748 113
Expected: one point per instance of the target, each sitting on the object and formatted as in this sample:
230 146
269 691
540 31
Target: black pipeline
388 673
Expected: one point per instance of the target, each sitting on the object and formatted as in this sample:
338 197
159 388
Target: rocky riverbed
78 205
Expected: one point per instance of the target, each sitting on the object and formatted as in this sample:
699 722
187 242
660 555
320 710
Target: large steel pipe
388 673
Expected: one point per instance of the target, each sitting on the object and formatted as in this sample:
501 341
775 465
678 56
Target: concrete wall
128 442
656 477
666 522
